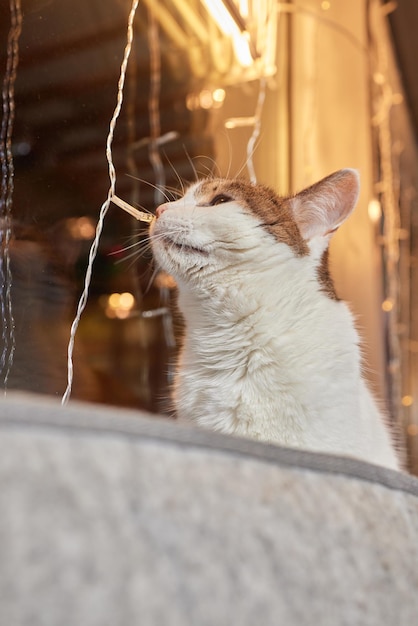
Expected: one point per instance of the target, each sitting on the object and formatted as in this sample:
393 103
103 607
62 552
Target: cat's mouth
183 247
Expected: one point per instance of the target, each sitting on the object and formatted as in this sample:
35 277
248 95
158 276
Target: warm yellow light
218 95
126 301
374 210
192 102
229 27
387 305
379 78
239 122
325 5
407 401
113 300
205 99
242 50
222 16
81 227
119 305
412 430
243 8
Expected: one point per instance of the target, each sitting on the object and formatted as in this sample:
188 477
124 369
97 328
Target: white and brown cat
269 351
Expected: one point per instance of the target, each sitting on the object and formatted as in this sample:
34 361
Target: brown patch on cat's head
324 277
274 212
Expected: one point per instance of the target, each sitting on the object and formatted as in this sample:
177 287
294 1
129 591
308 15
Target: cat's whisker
229 154
137 254
248 159
186 152
152 279
136 244
173 192
177 175
160 188
141 246
137 206
209 170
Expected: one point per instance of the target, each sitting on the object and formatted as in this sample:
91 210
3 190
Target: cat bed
112 517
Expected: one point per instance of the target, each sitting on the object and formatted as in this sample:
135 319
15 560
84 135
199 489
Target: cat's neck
299 329
295 314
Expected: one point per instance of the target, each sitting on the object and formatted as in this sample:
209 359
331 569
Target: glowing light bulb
218 95
387 305
407 401
374 210
126 301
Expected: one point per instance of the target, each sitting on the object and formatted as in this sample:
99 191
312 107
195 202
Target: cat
269 352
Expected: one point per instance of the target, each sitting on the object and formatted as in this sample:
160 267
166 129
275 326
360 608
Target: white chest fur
281 374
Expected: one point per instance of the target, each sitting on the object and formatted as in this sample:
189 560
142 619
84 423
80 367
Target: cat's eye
220 199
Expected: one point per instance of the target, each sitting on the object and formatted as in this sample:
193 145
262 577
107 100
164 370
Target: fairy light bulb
387 305
374 210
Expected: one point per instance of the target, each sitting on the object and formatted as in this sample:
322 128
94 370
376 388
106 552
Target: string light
105 206
374 210
118 305
407 400
255 120
154 155
387 305
154 108
256 130
6 191
389 199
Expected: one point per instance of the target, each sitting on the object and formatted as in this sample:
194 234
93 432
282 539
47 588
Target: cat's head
223 225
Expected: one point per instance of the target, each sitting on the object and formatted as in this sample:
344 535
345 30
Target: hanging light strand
154 108
7 188
390 204
256 130
105 206
154 154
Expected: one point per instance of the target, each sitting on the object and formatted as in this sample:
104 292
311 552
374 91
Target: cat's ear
319 210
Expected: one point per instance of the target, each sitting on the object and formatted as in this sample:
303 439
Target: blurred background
286 92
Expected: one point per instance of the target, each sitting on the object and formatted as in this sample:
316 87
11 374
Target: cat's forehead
238 189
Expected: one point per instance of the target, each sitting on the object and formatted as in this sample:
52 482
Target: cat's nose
160 210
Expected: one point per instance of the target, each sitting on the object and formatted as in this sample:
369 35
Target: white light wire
154 109
154 153
105 206
256 130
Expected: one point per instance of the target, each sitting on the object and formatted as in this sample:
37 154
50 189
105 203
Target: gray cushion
111 517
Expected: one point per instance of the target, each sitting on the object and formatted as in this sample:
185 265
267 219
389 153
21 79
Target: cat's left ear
319 210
